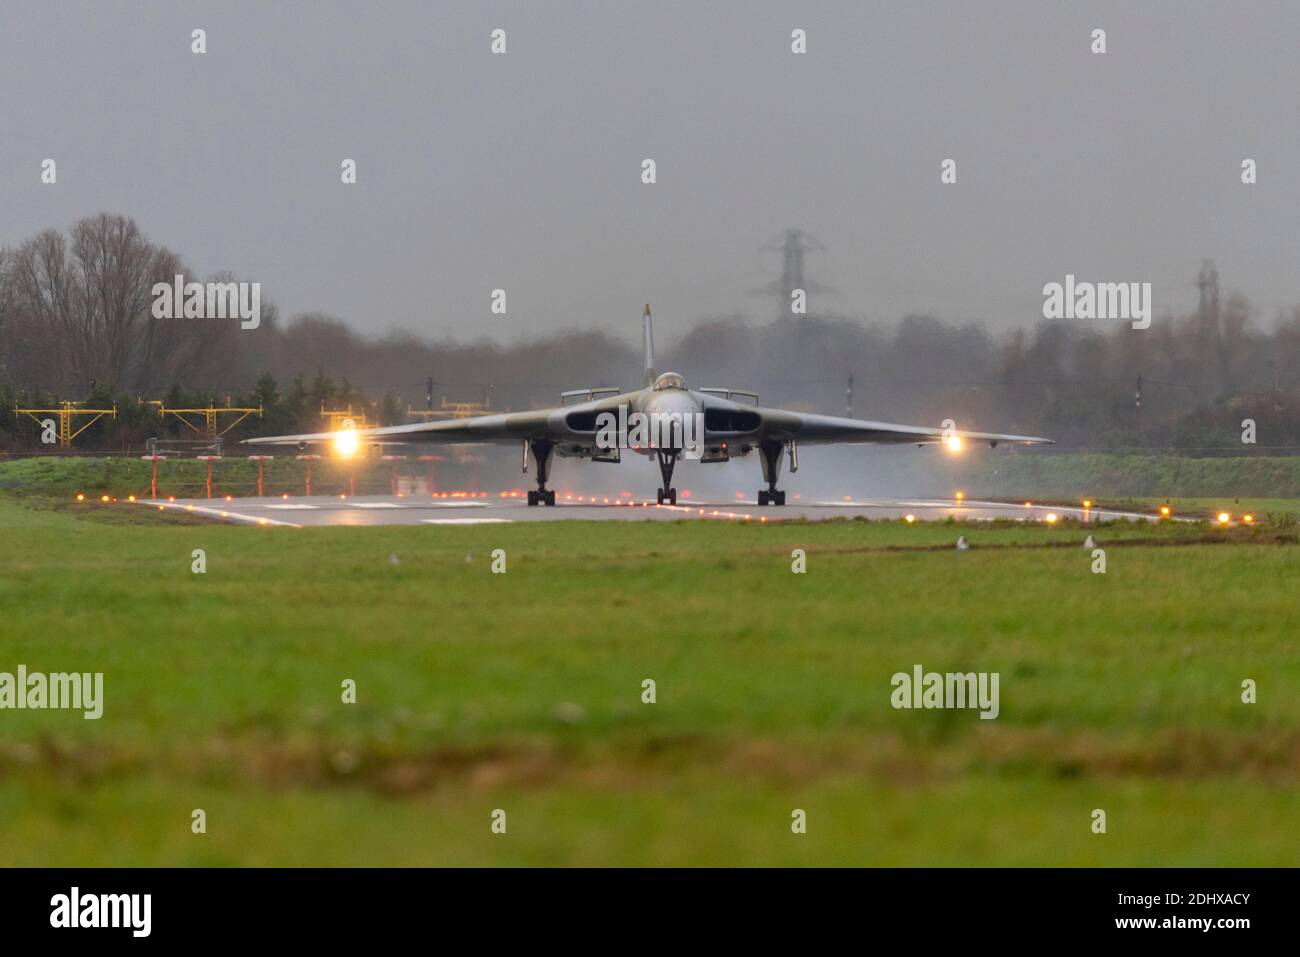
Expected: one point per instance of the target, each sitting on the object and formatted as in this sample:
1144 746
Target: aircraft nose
672 402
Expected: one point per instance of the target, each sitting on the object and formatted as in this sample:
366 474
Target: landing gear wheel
542 452
771 496
762 496
666 493
780 497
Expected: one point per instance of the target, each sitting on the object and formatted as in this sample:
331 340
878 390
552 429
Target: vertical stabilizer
648 348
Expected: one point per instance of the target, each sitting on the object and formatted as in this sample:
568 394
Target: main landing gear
667 460
770 456
543 452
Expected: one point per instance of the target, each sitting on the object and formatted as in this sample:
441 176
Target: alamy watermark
75 909
75 691
1130 301
932 689
651 430
213 300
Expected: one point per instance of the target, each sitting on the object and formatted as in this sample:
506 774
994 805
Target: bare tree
88 298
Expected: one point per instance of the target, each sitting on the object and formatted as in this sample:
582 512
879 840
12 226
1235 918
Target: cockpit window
669 380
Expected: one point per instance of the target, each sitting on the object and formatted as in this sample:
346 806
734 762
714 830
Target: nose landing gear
667 460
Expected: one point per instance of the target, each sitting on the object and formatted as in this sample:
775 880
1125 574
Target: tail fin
648 348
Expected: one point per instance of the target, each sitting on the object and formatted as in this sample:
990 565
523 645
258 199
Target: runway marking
467 521
222 513
295 505
374 505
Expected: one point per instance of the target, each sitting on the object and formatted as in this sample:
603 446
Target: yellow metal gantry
66 412
450 410
210 417
338 416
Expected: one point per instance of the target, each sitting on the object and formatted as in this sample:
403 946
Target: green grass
523 692
1112 475
1279 510
60 478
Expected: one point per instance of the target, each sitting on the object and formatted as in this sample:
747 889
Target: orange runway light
1029 505
80 497
1224 518
131 498
909 518
1051 518
1164 511
1087 503
961 496
1248 518
103 498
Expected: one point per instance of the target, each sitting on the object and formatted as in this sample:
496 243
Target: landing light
954 443
346 442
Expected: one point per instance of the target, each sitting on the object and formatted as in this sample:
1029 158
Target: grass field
522 691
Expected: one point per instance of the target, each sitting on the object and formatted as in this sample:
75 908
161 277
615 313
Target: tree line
76 323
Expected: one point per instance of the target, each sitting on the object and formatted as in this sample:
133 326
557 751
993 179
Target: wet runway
301 511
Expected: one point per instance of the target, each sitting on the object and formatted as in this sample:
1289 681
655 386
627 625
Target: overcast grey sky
522 171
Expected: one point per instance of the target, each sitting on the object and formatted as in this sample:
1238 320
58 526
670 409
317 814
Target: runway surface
301 511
